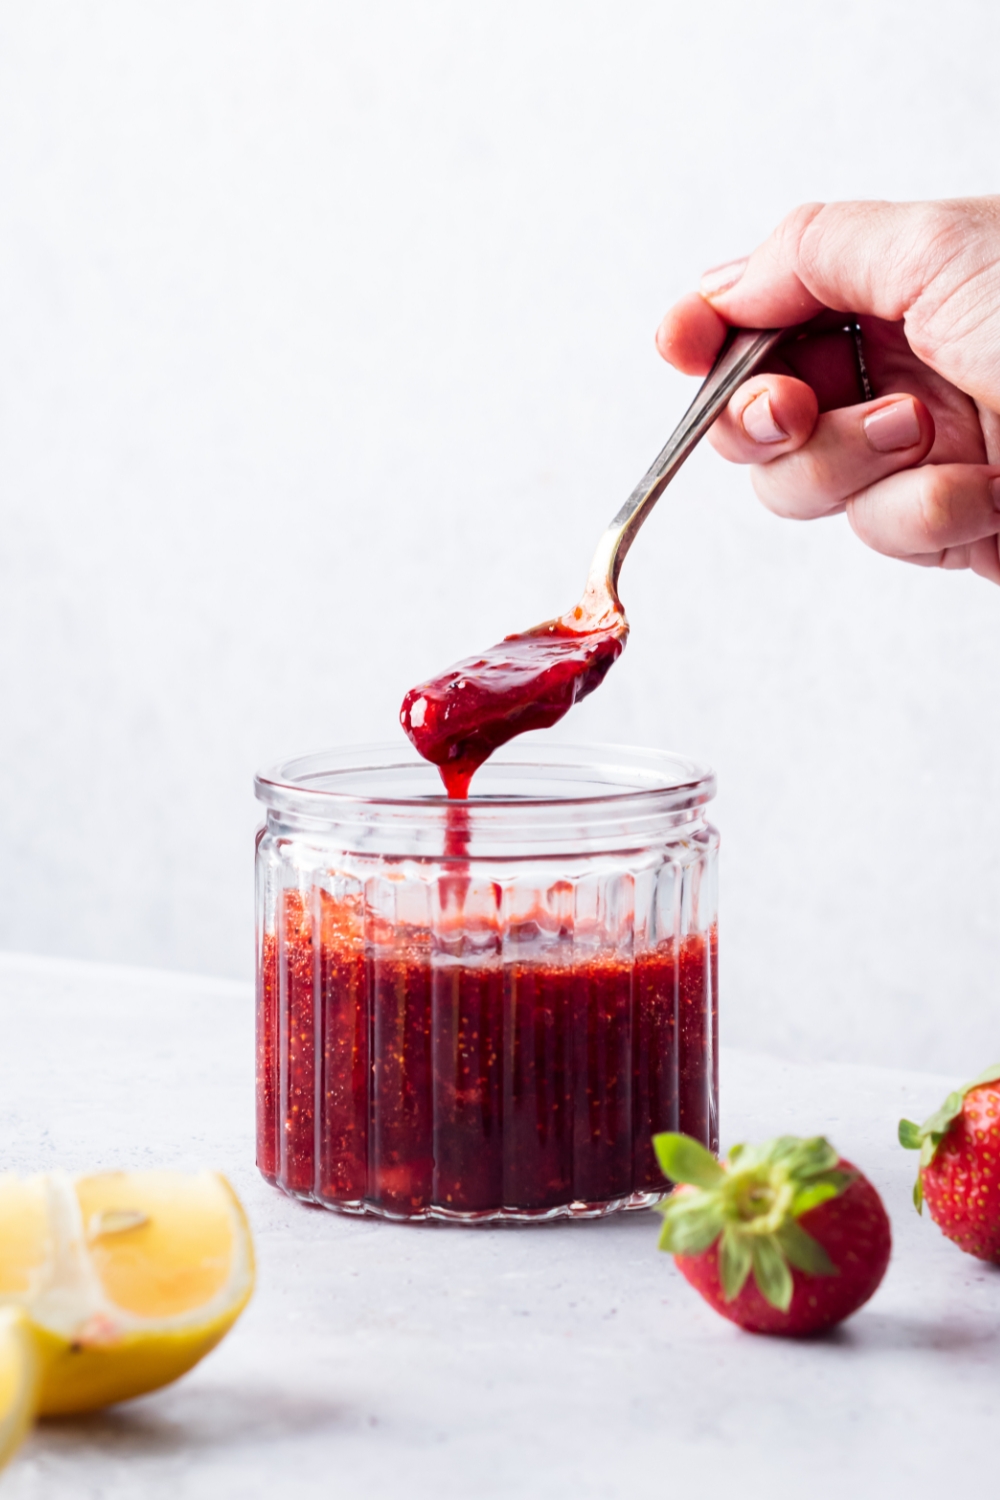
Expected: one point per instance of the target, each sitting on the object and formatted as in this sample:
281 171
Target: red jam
392 1076
528 681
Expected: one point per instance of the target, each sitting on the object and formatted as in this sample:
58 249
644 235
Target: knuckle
801 484
943 225
793 228
859 516
789 501
933 510
942 258
922 338
916 523
762 479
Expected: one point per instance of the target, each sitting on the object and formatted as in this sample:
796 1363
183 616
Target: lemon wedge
126 1278
18 1379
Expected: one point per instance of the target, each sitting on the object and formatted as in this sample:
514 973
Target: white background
326 351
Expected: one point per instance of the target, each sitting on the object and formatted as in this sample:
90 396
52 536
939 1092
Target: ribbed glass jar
484 1010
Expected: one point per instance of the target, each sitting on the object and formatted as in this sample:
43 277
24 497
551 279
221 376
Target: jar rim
628 777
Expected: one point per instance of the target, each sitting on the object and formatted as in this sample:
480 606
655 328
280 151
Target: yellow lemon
127 1278
18 1379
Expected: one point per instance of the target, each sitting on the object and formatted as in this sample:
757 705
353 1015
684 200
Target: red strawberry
808 1225
959 1173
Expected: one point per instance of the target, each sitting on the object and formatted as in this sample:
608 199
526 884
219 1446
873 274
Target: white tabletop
565 1360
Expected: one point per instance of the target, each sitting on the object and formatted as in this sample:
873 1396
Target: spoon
741 354
531 679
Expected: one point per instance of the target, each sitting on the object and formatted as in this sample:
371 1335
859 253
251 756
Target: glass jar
484 1010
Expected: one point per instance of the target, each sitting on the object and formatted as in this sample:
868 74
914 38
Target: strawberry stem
749 1205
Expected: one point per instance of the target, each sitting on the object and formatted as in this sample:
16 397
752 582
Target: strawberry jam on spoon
530 680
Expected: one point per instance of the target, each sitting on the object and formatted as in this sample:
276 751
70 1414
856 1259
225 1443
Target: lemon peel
18 1380
127 1279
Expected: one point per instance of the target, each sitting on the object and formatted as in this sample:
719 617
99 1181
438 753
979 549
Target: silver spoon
743 351
532 678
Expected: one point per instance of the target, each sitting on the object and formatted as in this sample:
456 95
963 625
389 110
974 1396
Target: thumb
936 266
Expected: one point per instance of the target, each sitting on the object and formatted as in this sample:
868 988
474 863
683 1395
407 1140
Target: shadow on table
203 1417
894 1332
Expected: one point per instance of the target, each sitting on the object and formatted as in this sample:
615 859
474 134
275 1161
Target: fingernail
995 493
721 278
758 421
893 427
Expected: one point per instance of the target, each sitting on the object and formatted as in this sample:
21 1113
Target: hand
917 469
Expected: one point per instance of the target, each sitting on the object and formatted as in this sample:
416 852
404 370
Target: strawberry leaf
735 1261
691 1224
771 1273
830 1185
804 1252
812 1197
991 1075
685 1160
910 1136
937 1123
805 1159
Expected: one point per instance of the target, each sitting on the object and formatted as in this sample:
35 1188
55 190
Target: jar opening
524 772
533 794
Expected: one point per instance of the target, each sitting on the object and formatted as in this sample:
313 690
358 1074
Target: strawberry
959 1172
808 1225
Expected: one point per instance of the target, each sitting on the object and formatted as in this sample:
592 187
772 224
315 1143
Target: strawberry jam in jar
484 1010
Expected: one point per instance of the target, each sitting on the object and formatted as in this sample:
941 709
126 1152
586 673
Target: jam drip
393 1076
528 681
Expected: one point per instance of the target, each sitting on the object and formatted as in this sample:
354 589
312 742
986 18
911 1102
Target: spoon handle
743 351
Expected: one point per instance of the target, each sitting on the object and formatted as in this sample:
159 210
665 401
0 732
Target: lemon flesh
127 1278
18 1380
